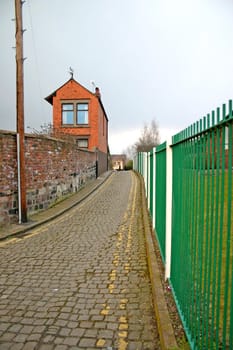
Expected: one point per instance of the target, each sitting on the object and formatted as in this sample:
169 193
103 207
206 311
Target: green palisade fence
152 185
201 258
160 197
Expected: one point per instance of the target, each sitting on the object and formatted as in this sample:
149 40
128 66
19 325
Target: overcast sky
168 60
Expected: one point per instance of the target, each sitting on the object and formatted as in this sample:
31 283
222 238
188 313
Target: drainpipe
96 162
19 176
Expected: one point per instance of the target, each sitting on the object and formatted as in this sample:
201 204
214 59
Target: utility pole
20 111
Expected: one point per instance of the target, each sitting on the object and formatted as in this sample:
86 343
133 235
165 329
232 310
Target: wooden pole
20 109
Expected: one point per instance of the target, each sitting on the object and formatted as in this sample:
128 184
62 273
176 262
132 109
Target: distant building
118 161
80 113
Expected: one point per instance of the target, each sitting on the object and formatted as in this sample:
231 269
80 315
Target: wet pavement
81 281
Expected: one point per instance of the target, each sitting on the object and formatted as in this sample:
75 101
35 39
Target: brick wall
54 169
8 176
102 162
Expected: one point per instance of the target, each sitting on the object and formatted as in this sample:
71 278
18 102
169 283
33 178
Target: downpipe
19 178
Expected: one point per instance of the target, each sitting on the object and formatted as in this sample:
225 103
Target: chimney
97 92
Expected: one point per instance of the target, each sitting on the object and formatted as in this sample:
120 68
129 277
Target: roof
49 98
118 156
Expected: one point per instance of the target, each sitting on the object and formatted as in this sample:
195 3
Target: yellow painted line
123 326
122 334
100 343
104 312
27 235
122 344
123 323
123 230
12 240
123 319
111 288
124 301
44 227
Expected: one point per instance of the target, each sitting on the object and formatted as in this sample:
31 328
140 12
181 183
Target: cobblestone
81 281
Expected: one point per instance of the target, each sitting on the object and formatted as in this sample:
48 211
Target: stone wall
54 169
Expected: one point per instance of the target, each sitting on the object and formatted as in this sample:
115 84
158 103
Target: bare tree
149 137
49 130
130 152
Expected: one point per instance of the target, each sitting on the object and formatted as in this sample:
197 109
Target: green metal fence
201 269
160 197
151 183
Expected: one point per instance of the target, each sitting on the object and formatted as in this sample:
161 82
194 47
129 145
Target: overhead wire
36 58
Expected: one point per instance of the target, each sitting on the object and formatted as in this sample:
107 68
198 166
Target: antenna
93 85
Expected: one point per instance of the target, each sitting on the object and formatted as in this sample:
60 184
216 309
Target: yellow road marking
122 344
44 227
100 343
123 326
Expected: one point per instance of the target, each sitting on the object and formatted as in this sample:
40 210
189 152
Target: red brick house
80 113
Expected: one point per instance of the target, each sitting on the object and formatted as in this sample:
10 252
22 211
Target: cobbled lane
81 281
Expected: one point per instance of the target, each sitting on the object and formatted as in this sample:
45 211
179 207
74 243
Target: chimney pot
97 92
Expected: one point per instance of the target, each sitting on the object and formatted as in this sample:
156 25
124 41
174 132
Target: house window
74 113
67 113
82 143
82 113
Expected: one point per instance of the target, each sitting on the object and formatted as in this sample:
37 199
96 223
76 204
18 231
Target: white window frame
82 139
75 104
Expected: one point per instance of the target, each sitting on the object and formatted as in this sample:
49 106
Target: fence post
168 208
144 154
148 180
154 187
